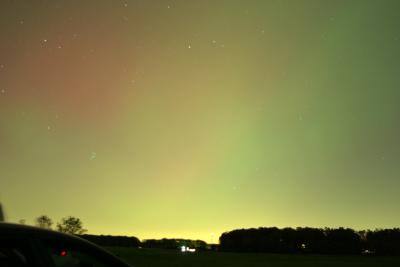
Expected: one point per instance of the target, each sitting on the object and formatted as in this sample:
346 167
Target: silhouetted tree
1 214
252 240
289 241
71 225
44 222
311 240
342 241
363 239
384 241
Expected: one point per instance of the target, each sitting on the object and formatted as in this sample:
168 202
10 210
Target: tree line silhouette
73 225
263 239
167 243
113 241
312 240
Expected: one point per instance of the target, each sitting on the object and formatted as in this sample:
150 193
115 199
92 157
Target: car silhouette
22 245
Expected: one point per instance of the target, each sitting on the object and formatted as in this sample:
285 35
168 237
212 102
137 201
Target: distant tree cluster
174 243
113 241
312 240
383 241
74 226
44 222
70 225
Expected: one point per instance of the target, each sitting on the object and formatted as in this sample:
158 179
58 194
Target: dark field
168 258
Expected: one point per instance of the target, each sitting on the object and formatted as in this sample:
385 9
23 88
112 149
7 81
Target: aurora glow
190 118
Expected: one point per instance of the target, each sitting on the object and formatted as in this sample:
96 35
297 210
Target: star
93 156
189 46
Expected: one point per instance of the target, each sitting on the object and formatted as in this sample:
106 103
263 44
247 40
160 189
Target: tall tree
1 214
71 225
44 222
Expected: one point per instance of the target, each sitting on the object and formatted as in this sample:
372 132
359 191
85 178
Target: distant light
187 249
63 253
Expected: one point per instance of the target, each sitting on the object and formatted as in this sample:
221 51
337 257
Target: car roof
19 230
25 231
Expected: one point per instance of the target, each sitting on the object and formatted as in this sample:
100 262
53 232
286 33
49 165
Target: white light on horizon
187 249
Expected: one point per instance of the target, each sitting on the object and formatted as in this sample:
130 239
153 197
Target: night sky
190 118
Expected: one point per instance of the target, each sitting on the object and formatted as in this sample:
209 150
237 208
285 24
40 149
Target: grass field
168 258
